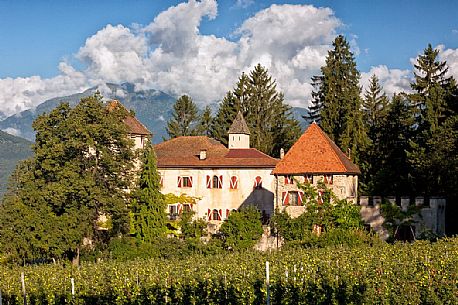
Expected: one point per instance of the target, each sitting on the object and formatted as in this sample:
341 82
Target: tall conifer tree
148 204
184 118
336 102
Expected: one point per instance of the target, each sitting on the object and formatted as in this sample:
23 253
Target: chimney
282 153
203 154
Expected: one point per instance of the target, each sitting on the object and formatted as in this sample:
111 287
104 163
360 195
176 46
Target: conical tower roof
239 125
315 152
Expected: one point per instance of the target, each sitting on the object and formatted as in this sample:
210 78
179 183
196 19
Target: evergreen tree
434 100
148 205
183 119
375 107
204 125
268 117
83 160
336 103
393 176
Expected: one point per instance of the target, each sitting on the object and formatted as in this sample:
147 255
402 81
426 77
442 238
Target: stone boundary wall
430 218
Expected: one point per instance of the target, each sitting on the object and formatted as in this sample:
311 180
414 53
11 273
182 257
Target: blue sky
36 37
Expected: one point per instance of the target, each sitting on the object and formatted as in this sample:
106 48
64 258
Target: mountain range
152 107
12 150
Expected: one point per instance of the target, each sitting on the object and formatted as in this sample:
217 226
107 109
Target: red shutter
221 181
209 182
258 182
285 199
299 198
209 214
179 181
228 212
180 208
234 182
286 180
190 181
220 213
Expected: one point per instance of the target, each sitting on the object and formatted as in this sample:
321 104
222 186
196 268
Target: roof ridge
330 141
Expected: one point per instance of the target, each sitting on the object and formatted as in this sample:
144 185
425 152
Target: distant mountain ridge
12 150
152 107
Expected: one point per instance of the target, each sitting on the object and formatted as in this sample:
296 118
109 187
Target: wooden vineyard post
72 280
24 294
267 283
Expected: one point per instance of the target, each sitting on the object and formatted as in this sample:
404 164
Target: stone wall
431 217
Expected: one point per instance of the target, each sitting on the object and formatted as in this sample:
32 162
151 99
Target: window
186 208
257 183
173 209
184 181
216 215
215 182
292 198
161 181
308 179
289 180
328 179
234 182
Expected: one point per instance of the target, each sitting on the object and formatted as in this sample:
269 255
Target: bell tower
239 134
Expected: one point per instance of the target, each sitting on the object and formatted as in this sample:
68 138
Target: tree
375 107
336 103
183 119
204 125
268 117
393 176
148 220
242 229
82 163
435 102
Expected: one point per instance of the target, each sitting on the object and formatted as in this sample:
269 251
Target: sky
54 48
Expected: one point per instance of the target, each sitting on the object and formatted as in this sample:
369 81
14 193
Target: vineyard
387 274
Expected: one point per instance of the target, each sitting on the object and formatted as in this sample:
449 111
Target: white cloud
243 3
392 80
170 54
451 57
12 131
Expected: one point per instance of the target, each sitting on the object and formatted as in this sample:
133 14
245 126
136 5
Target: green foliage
336 103
418 273
82 162
396 218
242 229
205 122
183 119
338 219
268 117
148 204
190 227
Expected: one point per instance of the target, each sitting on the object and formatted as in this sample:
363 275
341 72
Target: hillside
12 150
152 107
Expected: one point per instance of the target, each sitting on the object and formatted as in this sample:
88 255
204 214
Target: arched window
216 215
217 182
257 183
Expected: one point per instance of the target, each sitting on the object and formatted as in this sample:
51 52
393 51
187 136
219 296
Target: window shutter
209 182
320 198
221 181
179 181
209 214
162 180
286 180
234 182
299 198
180 208
220 213
190 181
285 198
257 182
228 212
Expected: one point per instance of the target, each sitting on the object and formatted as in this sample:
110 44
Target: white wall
224 198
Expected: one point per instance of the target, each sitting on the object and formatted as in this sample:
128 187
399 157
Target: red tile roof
134 126
185 151
315 152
